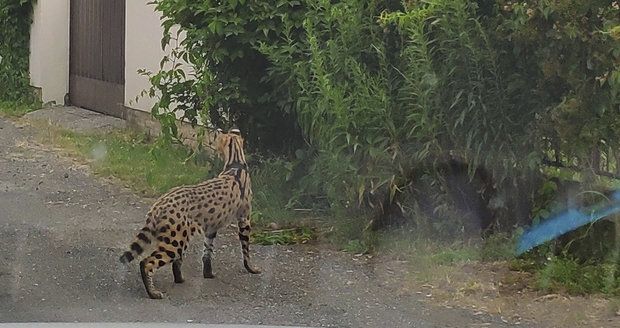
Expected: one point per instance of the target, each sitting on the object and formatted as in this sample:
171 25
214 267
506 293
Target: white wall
142 50
49 49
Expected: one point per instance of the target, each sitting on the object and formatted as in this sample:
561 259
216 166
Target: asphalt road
62 231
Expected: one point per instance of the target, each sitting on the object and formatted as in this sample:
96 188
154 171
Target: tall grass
383 90
272 191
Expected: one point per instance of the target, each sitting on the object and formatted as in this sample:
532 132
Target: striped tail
142 240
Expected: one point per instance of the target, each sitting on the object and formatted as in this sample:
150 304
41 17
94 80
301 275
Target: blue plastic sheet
564 222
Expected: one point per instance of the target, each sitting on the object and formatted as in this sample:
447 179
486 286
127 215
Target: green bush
564 274
15 20
565 53
229 83
378 99
370 98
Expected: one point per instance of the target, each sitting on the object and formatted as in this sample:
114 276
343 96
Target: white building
88 52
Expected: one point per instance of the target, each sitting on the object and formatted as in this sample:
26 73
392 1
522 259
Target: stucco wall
142 50
49 49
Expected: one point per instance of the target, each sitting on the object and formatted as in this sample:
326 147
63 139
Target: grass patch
566 275
15 109
499 247
408 242
356 246
405 244
152 169
432 260
299 235
455 255
147 168
348 233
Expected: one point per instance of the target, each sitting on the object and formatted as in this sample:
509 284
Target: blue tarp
565 222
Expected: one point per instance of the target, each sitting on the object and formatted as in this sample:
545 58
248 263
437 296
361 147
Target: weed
356 246
349 235
272 192
455 255
498 247
524 265
563 274
432 261
300 235
407 244
15 109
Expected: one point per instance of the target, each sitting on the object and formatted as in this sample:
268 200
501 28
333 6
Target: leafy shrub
568 54
385 93
380 97
227 84
15 20
566 274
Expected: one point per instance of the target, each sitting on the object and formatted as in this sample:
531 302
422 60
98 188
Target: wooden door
97 55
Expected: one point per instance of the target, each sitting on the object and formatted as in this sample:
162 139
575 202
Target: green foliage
299 235
378 96
151 169
344 231
272 191
564 274
568 52
14 108
499 247
385 93
15 20
427 254
227 84
455 255
356 246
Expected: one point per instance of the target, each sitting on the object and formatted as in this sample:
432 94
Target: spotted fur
201 209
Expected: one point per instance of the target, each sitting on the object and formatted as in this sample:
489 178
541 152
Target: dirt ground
492 288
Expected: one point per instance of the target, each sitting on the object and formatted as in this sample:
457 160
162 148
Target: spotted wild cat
202 209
